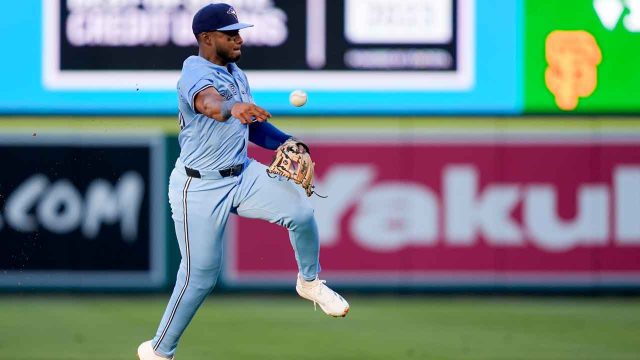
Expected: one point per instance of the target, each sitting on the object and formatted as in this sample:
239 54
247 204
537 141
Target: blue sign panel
353 57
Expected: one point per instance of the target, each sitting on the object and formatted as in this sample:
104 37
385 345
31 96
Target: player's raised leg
284 203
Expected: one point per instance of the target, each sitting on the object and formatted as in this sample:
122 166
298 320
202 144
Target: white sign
398 22
88 25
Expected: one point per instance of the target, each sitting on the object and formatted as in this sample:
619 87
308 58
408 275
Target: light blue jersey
201 204
204 192
207 144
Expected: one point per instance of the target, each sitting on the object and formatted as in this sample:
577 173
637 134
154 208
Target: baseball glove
294 164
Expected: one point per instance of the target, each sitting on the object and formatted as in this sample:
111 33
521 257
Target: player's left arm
266 135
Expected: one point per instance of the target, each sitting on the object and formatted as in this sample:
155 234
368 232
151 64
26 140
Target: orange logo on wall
573 58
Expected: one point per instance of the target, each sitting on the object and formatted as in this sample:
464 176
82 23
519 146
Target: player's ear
204 38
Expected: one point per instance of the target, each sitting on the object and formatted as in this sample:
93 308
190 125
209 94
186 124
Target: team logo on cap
232 11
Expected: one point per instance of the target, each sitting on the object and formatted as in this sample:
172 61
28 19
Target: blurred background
481 160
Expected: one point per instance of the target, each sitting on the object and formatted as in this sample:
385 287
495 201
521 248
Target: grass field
285 327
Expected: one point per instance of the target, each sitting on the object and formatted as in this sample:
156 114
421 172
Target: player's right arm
208 102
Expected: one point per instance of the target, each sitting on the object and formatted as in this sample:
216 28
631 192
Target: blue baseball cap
216 17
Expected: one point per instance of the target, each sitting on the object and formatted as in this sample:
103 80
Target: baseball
298 98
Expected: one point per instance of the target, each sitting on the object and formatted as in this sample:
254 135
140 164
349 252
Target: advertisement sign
577 56
364 57
463 210
336 45
82 211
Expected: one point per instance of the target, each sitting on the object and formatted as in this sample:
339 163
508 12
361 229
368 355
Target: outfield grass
285 327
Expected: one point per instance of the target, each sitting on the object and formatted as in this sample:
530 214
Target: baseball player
213 177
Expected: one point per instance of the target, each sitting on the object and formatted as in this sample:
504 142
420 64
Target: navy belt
232 171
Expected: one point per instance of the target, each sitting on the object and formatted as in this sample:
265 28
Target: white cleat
330 301
145 352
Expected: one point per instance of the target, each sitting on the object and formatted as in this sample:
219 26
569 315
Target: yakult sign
470 213
488 211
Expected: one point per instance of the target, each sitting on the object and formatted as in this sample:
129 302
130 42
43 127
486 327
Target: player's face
228 45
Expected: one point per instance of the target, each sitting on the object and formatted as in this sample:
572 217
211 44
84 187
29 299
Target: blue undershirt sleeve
266 135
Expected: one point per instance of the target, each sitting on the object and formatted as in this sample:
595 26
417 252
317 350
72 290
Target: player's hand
248 113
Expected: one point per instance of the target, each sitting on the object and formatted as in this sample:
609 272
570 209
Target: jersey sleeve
189 88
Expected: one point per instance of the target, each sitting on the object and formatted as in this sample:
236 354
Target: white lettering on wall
343 195
108 205
390 215
59 207
627 204
410 217
163 22
22 200
590 225
469 214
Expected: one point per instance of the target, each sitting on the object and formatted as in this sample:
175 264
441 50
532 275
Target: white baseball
298 98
